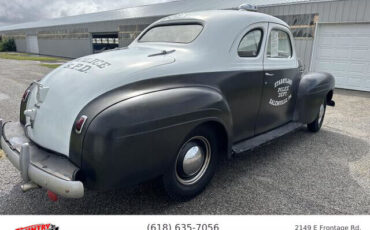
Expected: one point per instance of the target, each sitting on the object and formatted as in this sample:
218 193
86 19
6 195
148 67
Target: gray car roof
162 9
220 30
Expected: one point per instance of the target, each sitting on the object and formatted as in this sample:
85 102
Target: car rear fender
137 138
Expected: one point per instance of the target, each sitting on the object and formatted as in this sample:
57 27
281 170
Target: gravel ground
301 173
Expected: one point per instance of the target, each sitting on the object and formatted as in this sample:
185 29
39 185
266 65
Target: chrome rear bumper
50 171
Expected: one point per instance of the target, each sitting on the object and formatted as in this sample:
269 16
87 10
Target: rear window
172 33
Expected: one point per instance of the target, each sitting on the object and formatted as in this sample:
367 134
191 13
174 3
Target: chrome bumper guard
50 171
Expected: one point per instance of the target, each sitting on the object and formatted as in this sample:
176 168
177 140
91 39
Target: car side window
250 45
279 45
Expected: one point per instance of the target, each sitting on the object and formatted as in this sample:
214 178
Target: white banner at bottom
185 222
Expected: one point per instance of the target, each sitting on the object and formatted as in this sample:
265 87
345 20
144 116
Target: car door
244 92
280 80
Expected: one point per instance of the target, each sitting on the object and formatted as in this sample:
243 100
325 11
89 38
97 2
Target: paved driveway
301 173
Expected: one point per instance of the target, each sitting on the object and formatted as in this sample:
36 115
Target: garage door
32 44
344 51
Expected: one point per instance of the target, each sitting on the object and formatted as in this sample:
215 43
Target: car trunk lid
57 99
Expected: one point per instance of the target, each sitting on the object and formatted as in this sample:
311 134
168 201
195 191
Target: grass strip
51 66
29 57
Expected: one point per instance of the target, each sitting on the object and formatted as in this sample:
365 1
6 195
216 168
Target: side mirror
301 66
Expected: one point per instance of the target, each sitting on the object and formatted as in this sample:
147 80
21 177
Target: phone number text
183 227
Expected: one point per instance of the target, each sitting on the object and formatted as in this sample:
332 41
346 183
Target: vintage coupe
190 89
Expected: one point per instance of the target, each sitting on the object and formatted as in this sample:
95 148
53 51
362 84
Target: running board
257 141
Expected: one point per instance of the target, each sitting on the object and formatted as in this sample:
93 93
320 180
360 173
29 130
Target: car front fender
314 88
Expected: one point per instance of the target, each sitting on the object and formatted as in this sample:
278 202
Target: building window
104 41
301 25
57 34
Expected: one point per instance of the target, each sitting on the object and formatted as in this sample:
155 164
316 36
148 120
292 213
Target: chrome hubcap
321 113
193 160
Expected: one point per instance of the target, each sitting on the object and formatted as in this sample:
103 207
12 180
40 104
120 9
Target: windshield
172 33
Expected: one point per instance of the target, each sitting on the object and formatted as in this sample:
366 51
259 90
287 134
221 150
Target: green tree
8 45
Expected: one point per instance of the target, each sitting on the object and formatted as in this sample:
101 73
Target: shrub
7 45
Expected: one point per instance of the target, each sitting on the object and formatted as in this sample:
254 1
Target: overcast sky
18 11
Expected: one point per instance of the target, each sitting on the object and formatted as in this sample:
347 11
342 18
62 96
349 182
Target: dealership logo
40 227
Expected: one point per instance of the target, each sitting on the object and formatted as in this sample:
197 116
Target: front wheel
194 166
316 125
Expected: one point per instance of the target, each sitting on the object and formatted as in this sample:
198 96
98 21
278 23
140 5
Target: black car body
191 88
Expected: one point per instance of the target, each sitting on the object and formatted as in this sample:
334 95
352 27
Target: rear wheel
316 125
194 165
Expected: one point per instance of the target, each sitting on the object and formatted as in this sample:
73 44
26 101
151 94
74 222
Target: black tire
316 125
176 184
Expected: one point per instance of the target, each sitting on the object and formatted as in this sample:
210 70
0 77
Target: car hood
64 92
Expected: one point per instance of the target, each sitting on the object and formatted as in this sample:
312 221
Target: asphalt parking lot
301 173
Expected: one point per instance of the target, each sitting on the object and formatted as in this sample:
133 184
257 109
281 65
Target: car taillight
80 124
25 95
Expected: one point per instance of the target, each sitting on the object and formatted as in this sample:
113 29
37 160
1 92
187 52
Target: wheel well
222 136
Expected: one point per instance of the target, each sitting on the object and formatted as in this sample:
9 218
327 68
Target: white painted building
338 41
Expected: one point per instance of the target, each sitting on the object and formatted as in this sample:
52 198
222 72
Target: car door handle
269 74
